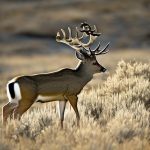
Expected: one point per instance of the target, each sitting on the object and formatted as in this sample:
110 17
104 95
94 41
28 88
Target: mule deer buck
63 85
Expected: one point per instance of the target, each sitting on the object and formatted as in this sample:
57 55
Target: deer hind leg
22 107
62 106
7 111
73 101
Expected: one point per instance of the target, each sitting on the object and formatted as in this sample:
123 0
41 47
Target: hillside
29 27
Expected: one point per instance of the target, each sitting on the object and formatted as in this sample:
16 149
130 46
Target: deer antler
88 30
76 42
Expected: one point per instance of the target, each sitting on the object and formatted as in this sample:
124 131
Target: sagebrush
114 115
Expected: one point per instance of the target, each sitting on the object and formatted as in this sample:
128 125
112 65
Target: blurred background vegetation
29 27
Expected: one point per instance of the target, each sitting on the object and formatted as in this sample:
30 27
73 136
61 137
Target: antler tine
97 48
91 40
64 34
70 35
77 34
63 39
103 51
76 42
58 37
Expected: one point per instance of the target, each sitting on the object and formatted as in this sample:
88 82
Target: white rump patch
17 93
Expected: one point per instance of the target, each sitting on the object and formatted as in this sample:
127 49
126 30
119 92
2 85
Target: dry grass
113 113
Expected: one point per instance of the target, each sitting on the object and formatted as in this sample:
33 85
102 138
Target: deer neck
83 72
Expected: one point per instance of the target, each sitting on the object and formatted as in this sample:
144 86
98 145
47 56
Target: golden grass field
114 107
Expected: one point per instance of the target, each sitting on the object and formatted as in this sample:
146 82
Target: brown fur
63 85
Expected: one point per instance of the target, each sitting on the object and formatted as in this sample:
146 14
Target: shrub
113 116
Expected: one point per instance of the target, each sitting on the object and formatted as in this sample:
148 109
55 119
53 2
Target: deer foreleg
73 101
62 106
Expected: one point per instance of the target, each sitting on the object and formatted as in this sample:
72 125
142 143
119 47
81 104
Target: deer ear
80 55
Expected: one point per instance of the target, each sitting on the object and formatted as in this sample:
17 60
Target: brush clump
114 115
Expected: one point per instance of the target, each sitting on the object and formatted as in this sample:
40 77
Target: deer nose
104 69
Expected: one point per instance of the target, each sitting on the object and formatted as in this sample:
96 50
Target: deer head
83 50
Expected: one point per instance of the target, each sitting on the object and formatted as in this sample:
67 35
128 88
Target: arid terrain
114 106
